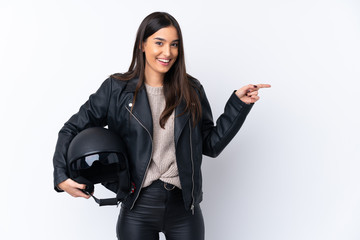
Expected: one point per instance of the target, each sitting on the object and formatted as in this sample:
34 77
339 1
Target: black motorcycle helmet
98 155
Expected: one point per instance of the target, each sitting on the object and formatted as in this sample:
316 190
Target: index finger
80 193
262 85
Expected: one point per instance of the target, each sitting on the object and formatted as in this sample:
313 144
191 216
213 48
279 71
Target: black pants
160 210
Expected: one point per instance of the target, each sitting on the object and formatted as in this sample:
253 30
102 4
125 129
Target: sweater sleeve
216 137
92 113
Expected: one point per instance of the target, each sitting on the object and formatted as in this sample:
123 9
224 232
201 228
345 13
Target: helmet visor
97 159
99 167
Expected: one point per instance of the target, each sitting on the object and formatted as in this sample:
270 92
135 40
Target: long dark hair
177 83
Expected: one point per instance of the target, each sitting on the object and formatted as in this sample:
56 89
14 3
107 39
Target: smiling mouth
164 60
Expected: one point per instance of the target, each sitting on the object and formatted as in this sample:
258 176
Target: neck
154 79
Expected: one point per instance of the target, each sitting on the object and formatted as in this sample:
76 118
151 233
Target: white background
292 172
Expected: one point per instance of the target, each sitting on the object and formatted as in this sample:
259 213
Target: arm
92 113
216 137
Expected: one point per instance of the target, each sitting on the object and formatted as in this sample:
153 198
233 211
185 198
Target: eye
159 43
175 44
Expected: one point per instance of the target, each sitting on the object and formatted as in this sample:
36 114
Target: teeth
163 60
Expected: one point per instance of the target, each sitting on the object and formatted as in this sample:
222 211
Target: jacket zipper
192 177
147 167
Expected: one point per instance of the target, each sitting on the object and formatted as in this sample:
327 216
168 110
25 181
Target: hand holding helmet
73 188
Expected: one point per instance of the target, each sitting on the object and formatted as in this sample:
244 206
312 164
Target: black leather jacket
111 106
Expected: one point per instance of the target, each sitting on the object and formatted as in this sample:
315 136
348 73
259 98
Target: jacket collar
142 110
131 85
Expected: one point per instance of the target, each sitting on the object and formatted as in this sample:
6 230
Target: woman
165 120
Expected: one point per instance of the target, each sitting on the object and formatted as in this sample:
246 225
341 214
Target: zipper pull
192 209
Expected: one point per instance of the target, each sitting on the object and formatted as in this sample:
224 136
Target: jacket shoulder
118 82
194 82
196 85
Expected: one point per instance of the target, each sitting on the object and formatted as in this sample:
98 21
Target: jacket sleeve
216 137
92 113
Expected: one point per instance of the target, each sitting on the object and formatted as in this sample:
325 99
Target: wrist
238 94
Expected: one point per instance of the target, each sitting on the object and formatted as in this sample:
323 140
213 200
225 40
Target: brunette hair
177 85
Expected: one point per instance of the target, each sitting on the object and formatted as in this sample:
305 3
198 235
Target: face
161 51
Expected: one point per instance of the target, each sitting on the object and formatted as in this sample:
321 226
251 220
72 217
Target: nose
167 51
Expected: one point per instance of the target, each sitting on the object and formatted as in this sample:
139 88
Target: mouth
163 61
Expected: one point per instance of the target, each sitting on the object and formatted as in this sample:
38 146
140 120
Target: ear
142 46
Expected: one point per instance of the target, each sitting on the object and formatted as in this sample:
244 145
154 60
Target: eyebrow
162 39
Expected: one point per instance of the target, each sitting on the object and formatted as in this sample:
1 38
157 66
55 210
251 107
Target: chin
163 71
